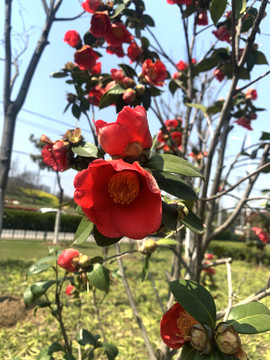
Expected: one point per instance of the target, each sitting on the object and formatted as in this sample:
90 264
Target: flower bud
182 211
148 247
70 289
70 66
84 261
140 89
128 82
65 260
129 96
227 339
200 338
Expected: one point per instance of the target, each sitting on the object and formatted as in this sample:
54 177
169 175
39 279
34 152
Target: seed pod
227 339
148 247
200 338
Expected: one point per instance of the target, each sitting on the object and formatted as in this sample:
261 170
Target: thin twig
230 291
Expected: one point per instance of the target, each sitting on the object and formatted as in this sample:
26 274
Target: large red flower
118 35
179 2
175 326
242 121
128 136
155 73
100 24
85 58
55 155
222 34
251 94
72 37
134 52
121 199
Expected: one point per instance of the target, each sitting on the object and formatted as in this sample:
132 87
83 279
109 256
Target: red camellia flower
219 74
91 5
72 37
162 136
96 69
118 35
65 260
262 235
208 256
222 34
155 73
202 18
95 94
175 326
134 52
55 155
251 94
121 199
100 24
177 137
179 2
244 122
128 136
181 65
173 123
85 58
70 289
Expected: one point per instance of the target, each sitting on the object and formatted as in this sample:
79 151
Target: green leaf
48 259
146 267
38 268
84 337
110 350
188 352
76 111
83 231
118 10
265 136
146 99
217 9
28 296
250 318
39 288
89 38
174 186
167 241
116 90
196 300
99 277
173 86
103 240
193 223
148 20
86 149
250 61
206 64
197 106
59 73
259 58
173 164
128 70
168 216
240 7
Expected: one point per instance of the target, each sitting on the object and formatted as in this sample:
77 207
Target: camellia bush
164 188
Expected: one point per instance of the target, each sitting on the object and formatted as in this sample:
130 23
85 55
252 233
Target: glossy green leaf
146 265
38 268
28 296
128 70
99 277
167 241
86 149
174 186
110 350
84 337
193 223
83 231
240 7
206 64
265 136
89 38
48 259
197 106
168 216
103 240
118 10
188 352
259 58
196 300
217 9
76 111
39 288
250 318
173 164
148 20
59 73
107 99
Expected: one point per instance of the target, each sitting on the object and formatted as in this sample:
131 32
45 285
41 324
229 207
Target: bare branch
252 82
45 7
70 18
7 71
230 291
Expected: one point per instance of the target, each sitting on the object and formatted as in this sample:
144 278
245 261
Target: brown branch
71 18
252 82
7 71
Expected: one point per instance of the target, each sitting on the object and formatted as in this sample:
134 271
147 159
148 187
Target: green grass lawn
27 337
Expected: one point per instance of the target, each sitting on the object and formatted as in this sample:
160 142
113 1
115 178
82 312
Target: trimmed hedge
240 251
32 220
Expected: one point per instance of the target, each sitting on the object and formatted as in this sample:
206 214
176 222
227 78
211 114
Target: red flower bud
70 289
65 260
251 94
219 74
100 24
85 58
129 96
72 37
91 5
202 18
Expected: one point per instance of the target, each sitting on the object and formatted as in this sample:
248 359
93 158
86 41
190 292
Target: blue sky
47 96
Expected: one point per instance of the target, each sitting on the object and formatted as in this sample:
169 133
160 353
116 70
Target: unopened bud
129 96
70 66
84 261
200 338
140 89
75 261
71 98
128 82
148 247
227 339
182 211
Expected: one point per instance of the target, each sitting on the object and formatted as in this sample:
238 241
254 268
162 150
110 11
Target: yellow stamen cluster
124 187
